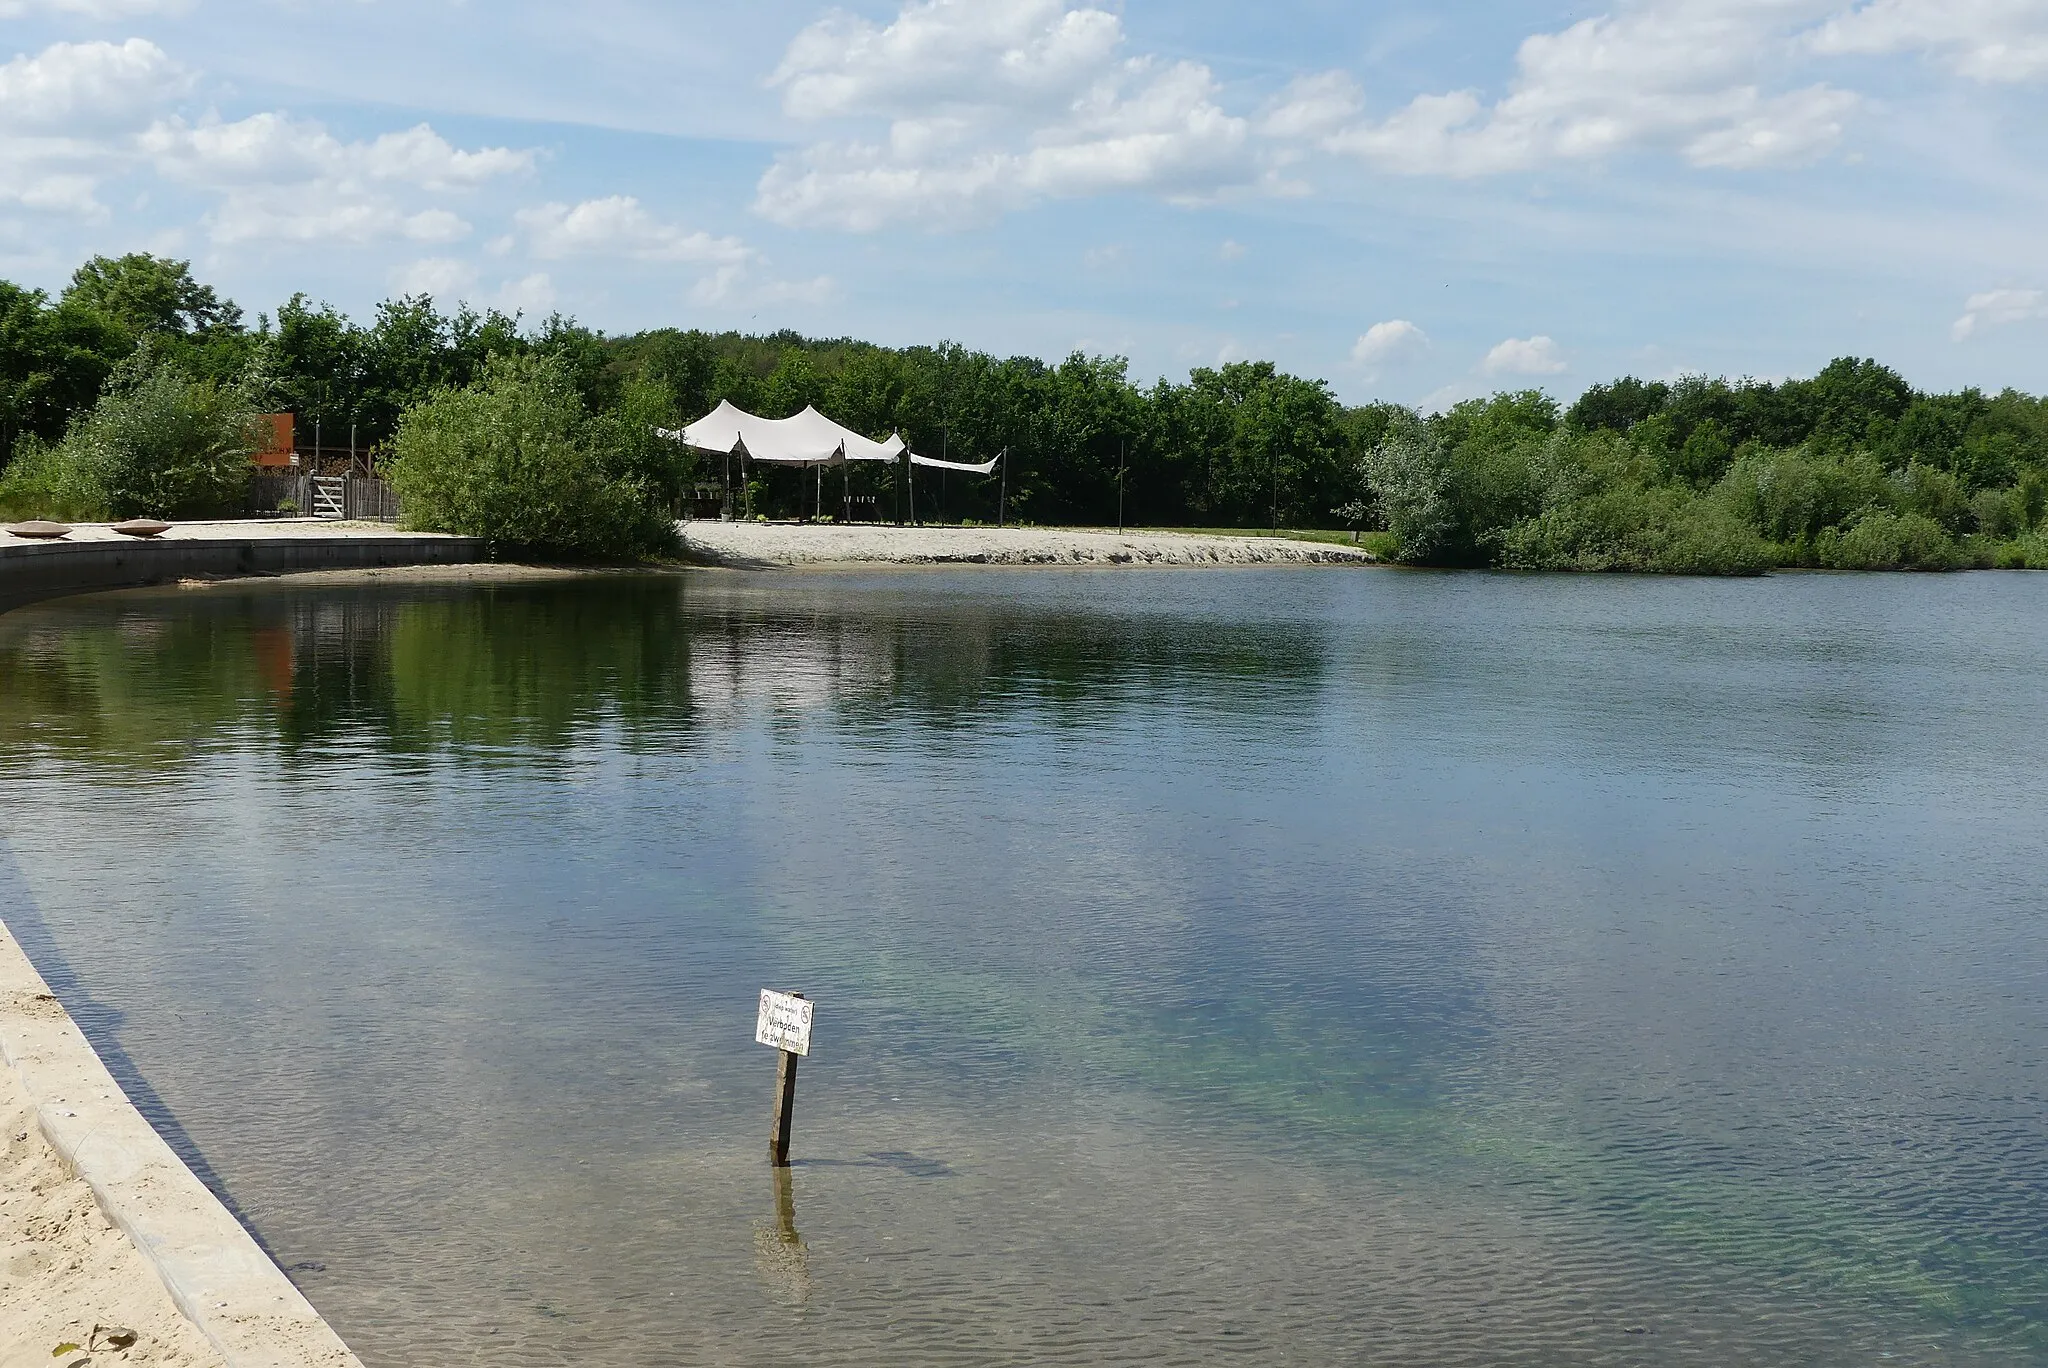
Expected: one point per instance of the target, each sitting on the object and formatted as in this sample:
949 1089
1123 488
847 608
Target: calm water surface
1282 967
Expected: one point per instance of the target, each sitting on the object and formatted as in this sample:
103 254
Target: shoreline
95 558
103 1225
765 546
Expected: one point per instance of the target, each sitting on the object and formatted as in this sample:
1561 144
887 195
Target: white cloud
68 116
1997 308
1386 343
1028 55
991 106
620 226
1314 106
441 277
1688 76
289 216
732 286
1985 40
80 89
1231 250
533 295
1525 356
288 180
1448 396
271 149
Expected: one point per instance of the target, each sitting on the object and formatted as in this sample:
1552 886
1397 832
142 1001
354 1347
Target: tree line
1851 468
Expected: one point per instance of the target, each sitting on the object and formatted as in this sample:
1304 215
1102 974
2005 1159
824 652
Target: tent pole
1003 499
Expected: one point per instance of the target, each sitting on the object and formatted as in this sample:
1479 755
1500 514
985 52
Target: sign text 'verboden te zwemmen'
784 1022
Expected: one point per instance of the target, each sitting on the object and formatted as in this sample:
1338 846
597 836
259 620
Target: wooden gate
330 496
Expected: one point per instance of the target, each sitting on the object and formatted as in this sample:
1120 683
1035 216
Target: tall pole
1120 486
1003 499
351 448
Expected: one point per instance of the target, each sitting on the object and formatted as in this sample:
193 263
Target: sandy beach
765 545
65 1268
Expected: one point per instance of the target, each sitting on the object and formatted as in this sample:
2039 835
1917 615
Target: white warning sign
785 1022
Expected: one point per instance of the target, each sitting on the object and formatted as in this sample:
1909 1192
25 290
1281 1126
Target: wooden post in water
785 1023
785 1108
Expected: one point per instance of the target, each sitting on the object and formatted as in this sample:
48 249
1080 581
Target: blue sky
1416 202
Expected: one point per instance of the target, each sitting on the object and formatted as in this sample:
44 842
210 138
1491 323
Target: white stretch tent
985 468
808 439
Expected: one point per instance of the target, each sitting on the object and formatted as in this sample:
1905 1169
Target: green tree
686 363
146 294
162 444
1411 479
517 460
53 361
316 361
1620 406
584 354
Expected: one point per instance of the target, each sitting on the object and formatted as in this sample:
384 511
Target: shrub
45 482
1707 538
2026 552
517 461
2003 513
161 444
1659 530
157 444
1409 474
1892 541
1791 495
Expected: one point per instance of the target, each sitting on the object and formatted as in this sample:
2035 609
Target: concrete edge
34 571
214 1270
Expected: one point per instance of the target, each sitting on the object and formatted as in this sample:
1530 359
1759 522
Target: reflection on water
779 1249
1274 965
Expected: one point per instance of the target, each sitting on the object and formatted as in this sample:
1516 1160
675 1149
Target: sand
65 1269
265 529
764 545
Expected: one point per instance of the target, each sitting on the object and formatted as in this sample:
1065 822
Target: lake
1270 966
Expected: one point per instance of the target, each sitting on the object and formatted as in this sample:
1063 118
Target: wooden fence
325 496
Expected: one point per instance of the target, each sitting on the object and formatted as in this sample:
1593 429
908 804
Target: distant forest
1852 468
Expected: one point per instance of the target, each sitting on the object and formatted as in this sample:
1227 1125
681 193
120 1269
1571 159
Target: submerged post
784 1023
785 1108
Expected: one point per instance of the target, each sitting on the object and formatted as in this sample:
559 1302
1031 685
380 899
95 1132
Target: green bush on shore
1890 541
45 482
517 460
157 444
